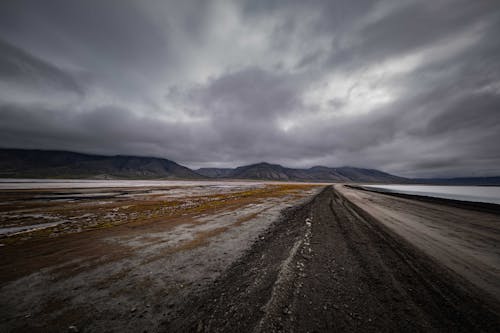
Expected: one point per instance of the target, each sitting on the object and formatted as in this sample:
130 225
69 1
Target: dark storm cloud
89 130
20 67
413 26
410 87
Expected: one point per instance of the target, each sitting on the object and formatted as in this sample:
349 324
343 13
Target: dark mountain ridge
23 163
62 164
270 171
215 172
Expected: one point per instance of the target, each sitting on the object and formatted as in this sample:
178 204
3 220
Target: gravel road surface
329 266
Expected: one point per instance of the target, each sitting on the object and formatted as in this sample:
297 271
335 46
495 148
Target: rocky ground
278 258
136 260
328 266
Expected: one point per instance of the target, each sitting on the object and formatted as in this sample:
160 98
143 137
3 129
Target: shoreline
472 205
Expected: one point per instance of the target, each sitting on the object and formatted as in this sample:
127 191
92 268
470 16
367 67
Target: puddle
25 228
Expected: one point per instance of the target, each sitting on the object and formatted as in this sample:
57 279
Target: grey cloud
471 113
223 84
114 32
251 93
409 28
94 130
18 66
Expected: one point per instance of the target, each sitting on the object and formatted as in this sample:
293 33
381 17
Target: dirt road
220 261
329 266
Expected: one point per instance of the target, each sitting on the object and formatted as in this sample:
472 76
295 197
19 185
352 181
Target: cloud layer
409 87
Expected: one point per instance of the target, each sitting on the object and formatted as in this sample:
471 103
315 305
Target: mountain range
19 163
23 163
269 171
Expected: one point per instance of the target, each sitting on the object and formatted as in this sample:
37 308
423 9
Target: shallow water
488 194
12 230
18 184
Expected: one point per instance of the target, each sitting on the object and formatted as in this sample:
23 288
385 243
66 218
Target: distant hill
21 163
214 172
460 181
269 171
61 164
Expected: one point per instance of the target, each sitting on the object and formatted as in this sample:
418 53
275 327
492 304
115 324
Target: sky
407 87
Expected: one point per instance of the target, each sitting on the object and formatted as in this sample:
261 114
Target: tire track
327 266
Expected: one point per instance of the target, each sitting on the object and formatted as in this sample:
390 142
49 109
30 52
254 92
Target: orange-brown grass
148 208
29 252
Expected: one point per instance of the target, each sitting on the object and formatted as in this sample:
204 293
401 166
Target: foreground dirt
225 262
329 266
135 260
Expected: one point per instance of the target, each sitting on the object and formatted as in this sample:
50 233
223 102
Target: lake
488 194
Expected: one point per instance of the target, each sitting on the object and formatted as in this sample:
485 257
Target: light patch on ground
136 256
